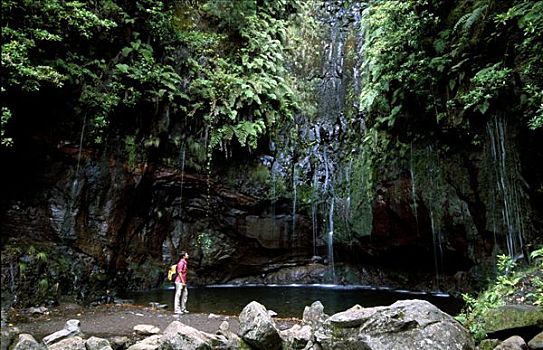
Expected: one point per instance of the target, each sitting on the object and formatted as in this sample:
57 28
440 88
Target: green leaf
123 68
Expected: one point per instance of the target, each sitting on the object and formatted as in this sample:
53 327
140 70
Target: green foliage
205 242
6 116
537 257
527 16
507 283
394 62
487 86
432 67
244 93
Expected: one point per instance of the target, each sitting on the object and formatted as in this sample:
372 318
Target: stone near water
180 336
297 337
314 315
404 325
257 327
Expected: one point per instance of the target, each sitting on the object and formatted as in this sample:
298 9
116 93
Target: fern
469 19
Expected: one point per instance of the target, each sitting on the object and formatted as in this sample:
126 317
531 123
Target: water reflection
289 301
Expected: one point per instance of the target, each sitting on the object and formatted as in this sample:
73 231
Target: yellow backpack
172 273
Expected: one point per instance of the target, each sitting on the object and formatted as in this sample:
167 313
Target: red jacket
181 271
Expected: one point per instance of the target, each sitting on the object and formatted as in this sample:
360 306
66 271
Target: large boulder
511 317
257 327
180 336
404 325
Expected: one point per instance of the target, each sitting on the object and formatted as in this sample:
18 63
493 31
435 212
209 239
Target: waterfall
273 196
182 161
314 211
294 184
331 242
413 190
74 185
508 192
67 226
434 206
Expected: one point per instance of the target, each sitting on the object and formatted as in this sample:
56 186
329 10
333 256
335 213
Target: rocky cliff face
76 223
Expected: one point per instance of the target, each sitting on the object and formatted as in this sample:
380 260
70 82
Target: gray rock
536 343
314 315
119 342
150 343
37 310
297 337
27 342
146 329
95 343
404 325
257 327
72 343
511 317
512 343
233 341
488 344
71 329
180 336
8 336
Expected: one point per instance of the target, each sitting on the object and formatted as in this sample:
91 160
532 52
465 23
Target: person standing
181 291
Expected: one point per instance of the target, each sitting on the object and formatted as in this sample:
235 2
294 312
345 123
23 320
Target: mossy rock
489 344
511 317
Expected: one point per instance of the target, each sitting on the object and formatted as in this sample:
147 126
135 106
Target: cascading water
294 184
67 228
323 135
331 243
181 183
510 199
433 206
413 191
314 213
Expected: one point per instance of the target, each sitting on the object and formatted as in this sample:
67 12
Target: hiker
181 291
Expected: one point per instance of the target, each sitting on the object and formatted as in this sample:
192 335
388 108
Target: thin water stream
290 300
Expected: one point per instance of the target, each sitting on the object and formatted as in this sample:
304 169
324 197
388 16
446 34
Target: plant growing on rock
511 286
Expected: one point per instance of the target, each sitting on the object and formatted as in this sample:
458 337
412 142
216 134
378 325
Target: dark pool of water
289 301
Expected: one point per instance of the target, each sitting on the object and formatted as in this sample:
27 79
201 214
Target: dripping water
331 242
294 184
182 156
433 205
508 192
314 209
413 191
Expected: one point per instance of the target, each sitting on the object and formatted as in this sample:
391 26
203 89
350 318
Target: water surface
289 301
